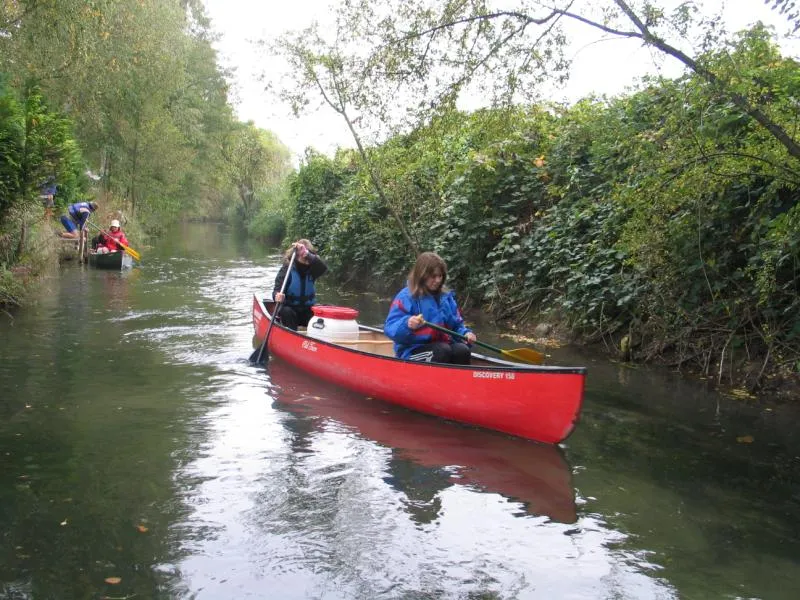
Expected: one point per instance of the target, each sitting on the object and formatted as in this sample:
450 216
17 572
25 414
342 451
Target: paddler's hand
415 322
301 250
470 337
280 296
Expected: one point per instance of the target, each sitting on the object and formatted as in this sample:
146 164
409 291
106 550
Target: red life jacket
111 238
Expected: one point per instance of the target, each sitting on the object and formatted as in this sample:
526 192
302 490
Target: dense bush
666 217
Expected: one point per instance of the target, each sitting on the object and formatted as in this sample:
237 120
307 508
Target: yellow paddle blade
527 355
132 252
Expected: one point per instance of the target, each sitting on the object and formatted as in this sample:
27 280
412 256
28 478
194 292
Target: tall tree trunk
23 235
379 188
340 108
133 171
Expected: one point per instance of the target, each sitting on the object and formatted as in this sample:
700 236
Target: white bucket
333 323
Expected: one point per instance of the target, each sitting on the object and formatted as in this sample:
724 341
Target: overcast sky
599 66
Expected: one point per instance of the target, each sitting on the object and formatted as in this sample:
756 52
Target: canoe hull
116 261
536 402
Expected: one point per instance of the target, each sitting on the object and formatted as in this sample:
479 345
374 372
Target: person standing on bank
47 193
75 219
300 294
426 298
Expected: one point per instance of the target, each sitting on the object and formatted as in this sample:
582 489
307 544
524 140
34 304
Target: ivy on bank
665 218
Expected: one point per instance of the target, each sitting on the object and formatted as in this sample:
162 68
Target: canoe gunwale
496 363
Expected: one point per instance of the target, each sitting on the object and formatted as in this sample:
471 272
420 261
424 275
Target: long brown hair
427 264
309 246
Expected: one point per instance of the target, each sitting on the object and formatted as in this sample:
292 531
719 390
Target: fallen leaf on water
141 528
745 439
113 580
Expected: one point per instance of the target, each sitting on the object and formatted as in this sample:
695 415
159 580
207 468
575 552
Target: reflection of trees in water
734 502
421 486
301 428
210 239
116 286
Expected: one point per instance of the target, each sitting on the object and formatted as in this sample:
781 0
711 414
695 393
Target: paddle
262 353
128 250
527 355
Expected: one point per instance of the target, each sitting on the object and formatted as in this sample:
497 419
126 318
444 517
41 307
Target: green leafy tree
346 84
140 81
12 132
257 161
437 52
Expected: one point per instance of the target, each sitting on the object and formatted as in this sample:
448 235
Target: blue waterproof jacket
76 215
440 310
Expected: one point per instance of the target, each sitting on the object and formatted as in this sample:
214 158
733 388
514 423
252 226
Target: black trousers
442 352
295 316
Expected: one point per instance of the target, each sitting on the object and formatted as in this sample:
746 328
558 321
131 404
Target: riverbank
19 281
36 241
745 379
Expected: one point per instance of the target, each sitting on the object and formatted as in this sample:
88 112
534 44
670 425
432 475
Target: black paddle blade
260 354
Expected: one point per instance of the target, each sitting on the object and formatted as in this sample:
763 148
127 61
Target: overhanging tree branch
339 105
642 31
740 101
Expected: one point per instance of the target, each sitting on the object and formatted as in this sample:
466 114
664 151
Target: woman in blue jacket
426 298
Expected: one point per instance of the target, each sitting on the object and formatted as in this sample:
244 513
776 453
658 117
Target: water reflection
116 286
429 455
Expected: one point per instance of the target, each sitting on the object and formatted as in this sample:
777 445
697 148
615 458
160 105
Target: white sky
599 66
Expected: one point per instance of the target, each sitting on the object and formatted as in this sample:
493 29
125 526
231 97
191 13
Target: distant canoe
116 261
540 402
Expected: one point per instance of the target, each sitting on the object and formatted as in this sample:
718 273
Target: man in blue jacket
75 219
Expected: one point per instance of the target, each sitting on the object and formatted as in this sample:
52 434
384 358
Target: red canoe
539 402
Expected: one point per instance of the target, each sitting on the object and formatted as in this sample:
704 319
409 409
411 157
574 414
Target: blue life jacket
300 289
75 213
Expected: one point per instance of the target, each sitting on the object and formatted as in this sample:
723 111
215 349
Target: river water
142 456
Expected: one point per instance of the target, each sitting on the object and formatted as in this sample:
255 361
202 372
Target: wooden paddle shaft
532 356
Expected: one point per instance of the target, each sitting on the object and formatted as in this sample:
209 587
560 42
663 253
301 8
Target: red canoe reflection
532 473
